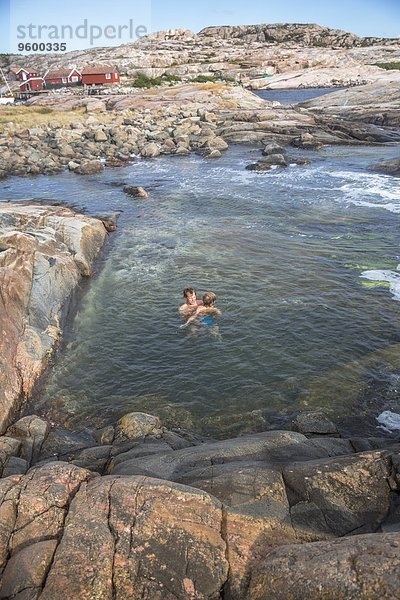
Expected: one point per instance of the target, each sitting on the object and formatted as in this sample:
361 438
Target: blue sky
364 17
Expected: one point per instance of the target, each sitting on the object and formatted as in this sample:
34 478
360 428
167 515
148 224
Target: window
116 75
108 75
64 80
74 78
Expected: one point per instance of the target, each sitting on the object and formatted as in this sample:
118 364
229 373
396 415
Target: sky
363 17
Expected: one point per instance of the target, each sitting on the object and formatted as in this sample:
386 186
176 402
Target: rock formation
44 252
202 118
323 56
146 512
375 103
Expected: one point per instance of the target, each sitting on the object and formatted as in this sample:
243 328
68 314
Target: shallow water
283 250
294 96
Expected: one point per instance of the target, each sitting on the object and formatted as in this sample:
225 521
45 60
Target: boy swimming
204 313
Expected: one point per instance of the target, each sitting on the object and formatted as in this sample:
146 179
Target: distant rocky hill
301 34
251 55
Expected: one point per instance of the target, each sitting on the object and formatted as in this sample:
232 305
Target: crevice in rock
61 533
292 495
115 538
224 594
25 589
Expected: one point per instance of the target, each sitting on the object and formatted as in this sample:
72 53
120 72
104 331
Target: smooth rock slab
364 567
269 447
135 538
44 252
340 495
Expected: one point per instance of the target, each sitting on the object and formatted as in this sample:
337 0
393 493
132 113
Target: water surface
283 250
294 96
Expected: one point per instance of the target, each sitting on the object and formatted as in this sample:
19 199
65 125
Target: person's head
190 296
209 299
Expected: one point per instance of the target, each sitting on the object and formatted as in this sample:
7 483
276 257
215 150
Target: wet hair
187 291
209 298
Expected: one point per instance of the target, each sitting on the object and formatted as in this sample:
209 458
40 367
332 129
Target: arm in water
200 312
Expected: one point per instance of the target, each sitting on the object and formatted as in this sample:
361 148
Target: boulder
100 136
150 150
26 570
266 163
307 142
9 447
214 154
32 432
72 165
338 496
63 444
389 167
136 426
313 422
272 148
363 567
89 167
135 191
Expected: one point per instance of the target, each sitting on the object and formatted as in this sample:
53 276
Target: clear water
283 250
294 96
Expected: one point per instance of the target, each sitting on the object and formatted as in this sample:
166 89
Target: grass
204 79
389 66
35 116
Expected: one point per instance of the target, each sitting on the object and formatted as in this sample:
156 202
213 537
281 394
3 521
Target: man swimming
191 302
204 313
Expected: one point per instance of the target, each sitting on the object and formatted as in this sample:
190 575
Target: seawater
285 252
294 96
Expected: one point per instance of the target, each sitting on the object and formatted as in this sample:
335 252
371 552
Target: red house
25 74
100 75
62 76
33 84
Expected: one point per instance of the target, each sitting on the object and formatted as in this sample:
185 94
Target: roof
99 70
28 70
57 73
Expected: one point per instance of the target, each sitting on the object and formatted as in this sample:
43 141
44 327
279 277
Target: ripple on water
283 251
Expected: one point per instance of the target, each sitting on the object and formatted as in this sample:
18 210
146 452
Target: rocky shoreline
140 511
84 134
45 251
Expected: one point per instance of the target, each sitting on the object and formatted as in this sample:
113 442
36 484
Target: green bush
171 78
142 81
319 43
204 79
